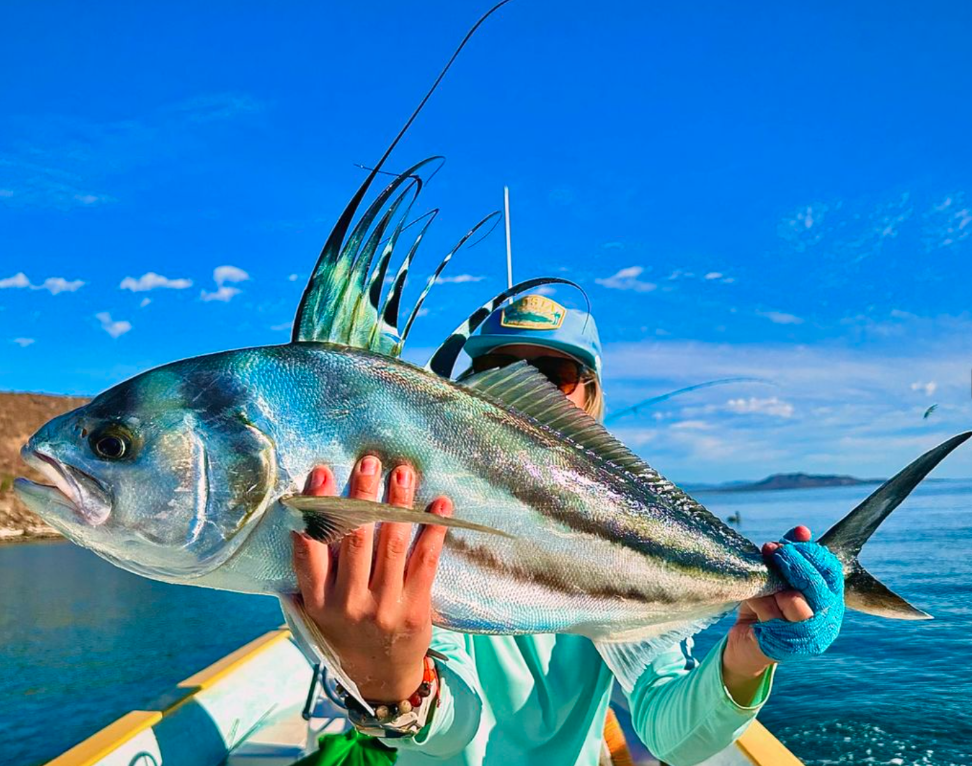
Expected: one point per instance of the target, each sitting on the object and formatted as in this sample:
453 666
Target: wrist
404 718
394 684
743 666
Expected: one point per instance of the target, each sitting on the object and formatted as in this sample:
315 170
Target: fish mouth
70 488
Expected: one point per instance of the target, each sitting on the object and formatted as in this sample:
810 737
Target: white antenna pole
509 247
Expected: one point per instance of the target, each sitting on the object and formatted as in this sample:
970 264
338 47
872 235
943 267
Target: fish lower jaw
64 491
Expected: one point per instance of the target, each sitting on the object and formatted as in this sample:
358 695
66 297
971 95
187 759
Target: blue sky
774 190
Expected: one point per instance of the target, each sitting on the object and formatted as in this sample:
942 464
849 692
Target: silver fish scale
596 548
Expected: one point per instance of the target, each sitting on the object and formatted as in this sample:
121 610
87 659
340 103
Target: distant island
787 481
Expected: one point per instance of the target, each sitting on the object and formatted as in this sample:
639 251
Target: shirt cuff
454 720
719 719
762 691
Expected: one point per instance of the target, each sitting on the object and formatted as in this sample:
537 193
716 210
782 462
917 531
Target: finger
365 481
770 548
793 605
393 539
801 574
320 483
800 534
311 564
746 613
766 608
424 561
354 559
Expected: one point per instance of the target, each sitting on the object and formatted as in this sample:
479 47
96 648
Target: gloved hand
817 573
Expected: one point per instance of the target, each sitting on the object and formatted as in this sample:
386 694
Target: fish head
153 475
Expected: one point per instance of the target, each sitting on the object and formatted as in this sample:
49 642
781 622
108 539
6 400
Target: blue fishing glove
819 576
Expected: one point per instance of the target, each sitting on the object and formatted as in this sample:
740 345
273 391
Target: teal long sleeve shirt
512 700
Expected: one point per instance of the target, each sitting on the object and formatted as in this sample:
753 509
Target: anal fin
315 647
628 659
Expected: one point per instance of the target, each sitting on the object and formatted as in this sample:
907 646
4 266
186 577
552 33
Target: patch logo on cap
533 312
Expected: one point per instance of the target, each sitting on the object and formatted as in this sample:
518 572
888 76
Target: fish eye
111 443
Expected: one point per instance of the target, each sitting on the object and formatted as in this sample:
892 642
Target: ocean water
82 642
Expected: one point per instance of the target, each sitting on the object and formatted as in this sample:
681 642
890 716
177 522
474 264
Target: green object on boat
350 749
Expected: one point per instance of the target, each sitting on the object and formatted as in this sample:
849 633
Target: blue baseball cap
536 320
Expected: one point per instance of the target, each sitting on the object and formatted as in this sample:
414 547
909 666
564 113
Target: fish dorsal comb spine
342 300
526 390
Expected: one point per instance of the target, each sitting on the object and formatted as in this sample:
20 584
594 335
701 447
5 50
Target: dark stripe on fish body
554 504
486 559
549 500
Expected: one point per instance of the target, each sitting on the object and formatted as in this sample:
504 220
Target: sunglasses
562 372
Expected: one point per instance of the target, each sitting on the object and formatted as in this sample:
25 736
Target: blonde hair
593 396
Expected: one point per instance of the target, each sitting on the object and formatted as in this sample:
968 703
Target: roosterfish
191 472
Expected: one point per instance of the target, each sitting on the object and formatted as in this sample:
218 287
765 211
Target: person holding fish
537 698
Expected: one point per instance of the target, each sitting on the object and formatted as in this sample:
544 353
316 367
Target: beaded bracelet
403 719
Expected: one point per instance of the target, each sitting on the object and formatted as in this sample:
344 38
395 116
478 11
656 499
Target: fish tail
862 591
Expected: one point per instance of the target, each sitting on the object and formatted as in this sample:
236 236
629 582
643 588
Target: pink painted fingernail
316 480
403 477
369 466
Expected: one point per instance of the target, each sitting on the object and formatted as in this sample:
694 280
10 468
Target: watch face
534 312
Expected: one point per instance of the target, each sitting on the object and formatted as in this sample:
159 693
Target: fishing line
663 397
435 84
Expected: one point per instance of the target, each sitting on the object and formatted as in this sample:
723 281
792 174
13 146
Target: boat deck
246 710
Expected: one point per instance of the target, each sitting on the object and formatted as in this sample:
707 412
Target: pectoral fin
331 518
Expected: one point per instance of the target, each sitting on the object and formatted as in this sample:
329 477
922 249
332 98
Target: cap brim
477 345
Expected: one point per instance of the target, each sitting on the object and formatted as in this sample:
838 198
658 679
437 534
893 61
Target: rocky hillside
20 416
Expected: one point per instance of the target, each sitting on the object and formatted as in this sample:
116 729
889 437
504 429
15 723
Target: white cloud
459 279
144 302
23 342
928 388
949 222
55 285
17 280
546 290
223 274
714 275
91 199
853 407
772 406
153 281
804 227
223 293
112 327
282 326
679 274
293 278
627 279
780 317
692 425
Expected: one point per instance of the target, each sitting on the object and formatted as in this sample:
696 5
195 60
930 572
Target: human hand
372 600
793 623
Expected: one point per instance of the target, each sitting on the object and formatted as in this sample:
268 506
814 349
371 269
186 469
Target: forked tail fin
862 591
